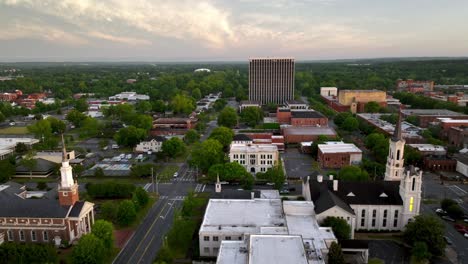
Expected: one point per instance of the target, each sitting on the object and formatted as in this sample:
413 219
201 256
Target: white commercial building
153 144
254 157
462 164
328 91
129 96
7 145
263 231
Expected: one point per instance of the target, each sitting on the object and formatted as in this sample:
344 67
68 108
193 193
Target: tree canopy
340 227
173 147
206 154
227 117
427 229
353 173
90 250
252 116
129 136
223 134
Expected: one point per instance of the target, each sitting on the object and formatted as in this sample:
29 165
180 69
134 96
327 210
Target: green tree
142 121
420 252
159 106
206 154
350 124
340 227
353 173
219 104
57 126
126 213
105 232
109 211
455 211
75 117
81 105
252 116
341 117
227 117
191 136
99 172
143 107
446 203
21 148
29 162
427 229
8 170
2 117
90 127
129 136
196 93
173 147
141 196
183 104
41 129
335 255
372 107
412 156
90 250
412 119
223 134
378 145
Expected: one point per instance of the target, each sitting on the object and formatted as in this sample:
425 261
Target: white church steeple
395 163
67 189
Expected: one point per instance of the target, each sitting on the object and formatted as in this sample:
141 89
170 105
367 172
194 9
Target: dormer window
351 194
383 195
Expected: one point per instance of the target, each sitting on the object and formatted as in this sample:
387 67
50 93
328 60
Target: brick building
439 163
413 86
334 155
294 135
447 123
172 126
45 220
458 136
352 100
300 117
427 116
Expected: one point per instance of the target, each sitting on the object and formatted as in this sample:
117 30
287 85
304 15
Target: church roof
32 208
76 210
349 193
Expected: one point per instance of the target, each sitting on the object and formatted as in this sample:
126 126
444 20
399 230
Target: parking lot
297 165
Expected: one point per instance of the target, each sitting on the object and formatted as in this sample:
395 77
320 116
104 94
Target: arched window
398 155
413 184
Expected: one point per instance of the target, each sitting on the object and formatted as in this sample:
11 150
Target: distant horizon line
207 61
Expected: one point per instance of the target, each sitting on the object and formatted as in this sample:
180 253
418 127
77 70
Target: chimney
335 185
330 177
319 178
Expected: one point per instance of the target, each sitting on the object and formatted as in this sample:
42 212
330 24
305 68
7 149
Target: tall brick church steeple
67 189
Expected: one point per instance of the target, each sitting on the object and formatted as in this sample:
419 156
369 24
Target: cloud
124 40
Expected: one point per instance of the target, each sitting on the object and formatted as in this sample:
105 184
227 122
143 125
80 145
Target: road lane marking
147 233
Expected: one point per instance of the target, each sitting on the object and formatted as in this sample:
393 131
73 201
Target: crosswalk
200 187
457 190
185 178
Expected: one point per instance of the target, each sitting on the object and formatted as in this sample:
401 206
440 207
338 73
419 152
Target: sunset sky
180 30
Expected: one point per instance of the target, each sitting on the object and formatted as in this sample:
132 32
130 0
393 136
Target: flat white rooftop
232 252
6 143
237 147
338 147
427 147
450 120
279 249
242 216
430 112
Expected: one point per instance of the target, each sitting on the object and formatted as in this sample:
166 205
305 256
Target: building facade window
411 204
363 213
21 235
10 235
413 184
384 223
228 238
363 222
206 238
215 250
33 235
206 250
373 222
45 236
395 222
374 213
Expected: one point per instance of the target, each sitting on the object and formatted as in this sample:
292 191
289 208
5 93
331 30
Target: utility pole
152 181
157 185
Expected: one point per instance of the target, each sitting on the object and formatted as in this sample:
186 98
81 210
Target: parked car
466 235
284 191
440 211
270 183
129 156
448 218
176 174
122 156
460 228
115 146
447 240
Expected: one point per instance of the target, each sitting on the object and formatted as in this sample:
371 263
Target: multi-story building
294 135
357 99
129 96
254 157
329 91
427 116
263 231
447 123
458 137
271 80
45 220
413 86
172 126
375 205
337 154
247 103
152 143
300 117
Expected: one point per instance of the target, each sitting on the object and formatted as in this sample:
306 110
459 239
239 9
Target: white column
89 223
92 216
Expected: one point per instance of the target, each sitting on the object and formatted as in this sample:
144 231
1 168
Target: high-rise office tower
271 80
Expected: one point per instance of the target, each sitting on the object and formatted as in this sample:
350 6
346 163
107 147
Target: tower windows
411 204
398 155
413 184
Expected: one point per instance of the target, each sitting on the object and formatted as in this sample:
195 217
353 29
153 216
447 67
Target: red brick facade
68 196
333 160
439 164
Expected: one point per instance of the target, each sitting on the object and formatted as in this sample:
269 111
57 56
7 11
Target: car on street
447 240
115 146
440 211
460 228
284 191
176 174
270 183
448 218
466 235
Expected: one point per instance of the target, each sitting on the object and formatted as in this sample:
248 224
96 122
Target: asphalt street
145 243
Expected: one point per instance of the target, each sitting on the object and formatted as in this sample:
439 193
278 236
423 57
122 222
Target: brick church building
45 220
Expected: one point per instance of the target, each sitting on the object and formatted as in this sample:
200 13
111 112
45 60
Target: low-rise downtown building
254 157
337 154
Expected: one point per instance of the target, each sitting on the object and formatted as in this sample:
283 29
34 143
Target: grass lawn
397 237
14 130
167 173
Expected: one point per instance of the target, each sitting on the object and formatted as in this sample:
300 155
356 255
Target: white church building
375 205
